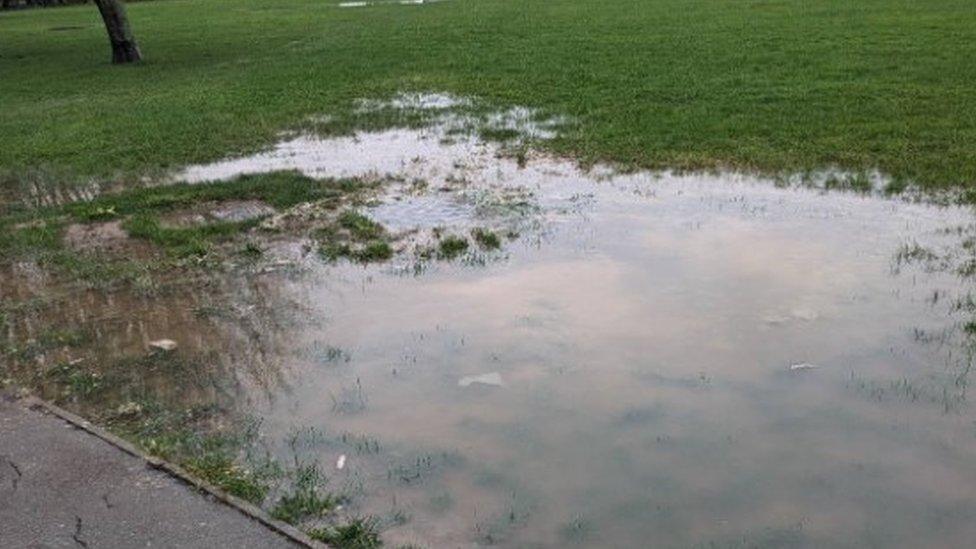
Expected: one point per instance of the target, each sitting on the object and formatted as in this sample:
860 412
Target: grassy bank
764 85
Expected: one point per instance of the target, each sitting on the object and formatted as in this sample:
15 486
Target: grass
354 236
486 238
278 189
774 86
141 209
360 226
186 437
222 471
306 499
358 533
452 246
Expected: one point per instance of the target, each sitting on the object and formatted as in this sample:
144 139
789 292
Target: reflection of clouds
747 270
682 312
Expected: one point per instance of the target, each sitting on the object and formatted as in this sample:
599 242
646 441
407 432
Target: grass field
760 85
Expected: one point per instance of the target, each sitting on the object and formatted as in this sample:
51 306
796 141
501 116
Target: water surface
649 360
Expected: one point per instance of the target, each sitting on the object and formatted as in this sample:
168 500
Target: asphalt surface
61 486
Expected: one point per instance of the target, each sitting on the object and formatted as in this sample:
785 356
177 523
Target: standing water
649 360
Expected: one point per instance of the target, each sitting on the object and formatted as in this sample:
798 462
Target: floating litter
166 345
493 379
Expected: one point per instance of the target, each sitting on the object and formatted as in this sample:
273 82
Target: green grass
766 85
354 236
222 471
486 238
360 226
452 246
306 499
141 208
278 189
183 241
358 533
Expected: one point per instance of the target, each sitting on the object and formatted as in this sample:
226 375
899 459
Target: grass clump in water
486 238
452 246
306 499
359 226
356 237
358 533
184 241
374 250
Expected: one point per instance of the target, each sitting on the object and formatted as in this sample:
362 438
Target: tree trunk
124 47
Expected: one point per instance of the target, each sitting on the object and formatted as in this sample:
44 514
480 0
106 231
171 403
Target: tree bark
124 47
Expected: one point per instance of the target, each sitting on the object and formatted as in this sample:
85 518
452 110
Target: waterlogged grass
354 236
183 241
486 238
281 189
223 472
452 246
188 438
359 533
307 499
773 86
360 226
40 233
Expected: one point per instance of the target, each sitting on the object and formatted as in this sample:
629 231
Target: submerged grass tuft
354 236
452 246
359 226
307 498
358 533
486 238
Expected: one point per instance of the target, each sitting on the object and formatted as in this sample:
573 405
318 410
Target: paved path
61 486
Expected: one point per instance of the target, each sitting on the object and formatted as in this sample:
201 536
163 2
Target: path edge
247 509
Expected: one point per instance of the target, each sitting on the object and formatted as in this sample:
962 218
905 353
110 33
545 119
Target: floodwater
649 360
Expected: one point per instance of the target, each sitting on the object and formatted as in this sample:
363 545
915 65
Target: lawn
760 85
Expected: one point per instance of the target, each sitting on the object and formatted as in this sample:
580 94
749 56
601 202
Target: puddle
698 360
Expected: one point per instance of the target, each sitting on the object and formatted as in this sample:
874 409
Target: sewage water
654 361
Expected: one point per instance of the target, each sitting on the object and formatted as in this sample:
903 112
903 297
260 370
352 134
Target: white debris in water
382 2
341 462
165 345
802 367
802 314
493 379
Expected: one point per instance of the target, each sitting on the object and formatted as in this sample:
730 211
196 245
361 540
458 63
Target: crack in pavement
15 481
77 535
